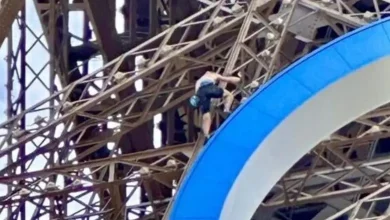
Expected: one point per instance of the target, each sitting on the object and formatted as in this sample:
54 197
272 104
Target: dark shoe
225 114
206 139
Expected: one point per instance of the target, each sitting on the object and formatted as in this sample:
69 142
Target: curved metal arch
222 182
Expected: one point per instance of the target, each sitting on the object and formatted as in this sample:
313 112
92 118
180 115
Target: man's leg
228 100
206 124
206 116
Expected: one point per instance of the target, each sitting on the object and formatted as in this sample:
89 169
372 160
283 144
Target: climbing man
206 88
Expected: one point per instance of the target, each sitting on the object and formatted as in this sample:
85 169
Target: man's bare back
208 76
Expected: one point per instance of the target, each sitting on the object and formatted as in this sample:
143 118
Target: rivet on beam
278 21
141 62
67 106
24 192
374 129
51 186
165 50
18 133
119 76
39 120
218 21
237 9
327 2
171 163
368 16
254 84
270 36
144 171
265 53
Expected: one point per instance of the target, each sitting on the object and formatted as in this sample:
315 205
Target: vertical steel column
153 18
10 76
171 14
86 38
52 42
17 106
171 120
65 33
131 20
190 130
22 101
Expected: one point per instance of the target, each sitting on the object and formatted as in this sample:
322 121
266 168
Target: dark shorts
206 93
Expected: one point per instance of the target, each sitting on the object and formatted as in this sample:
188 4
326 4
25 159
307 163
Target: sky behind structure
36 59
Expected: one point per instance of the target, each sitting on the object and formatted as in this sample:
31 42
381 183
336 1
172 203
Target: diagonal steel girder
102 106
157 163
88 104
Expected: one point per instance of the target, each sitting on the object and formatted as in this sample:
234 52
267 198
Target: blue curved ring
209 180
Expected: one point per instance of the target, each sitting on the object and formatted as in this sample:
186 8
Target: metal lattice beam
256 38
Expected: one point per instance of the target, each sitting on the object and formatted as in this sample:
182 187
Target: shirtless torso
207 77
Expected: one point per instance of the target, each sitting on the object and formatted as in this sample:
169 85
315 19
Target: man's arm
197 84
222 78
228 79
